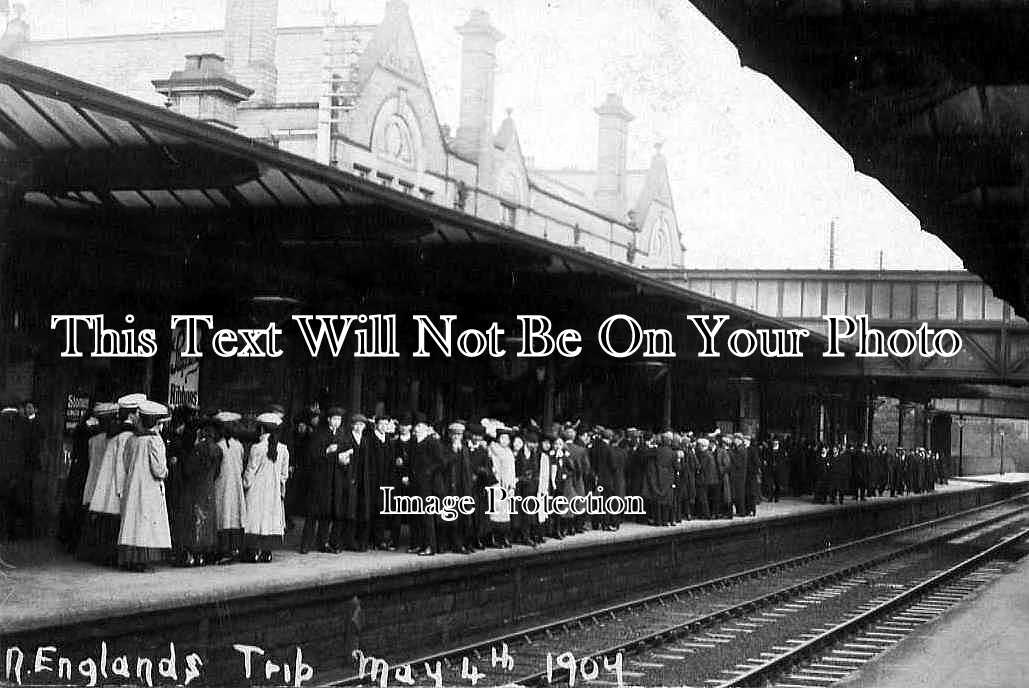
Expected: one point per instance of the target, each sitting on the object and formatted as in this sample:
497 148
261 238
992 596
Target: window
397 141
508 214
396 137
661 245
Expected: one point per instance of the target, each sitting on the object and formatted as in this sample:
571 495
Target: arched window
398 142
396 137
661 249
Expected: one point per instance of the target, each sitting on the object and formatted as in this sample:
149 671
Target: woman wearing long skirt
503 462
194 531
145 533
265 485
228 490
105 502
107 426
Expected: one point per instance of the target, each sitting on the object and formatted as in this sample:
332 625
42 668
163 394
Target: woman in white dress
89 536
229 504
105 499
503 463
145 533
265 485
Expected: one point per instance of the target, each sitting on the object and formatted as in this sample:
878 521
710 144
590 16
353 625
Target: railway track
750 628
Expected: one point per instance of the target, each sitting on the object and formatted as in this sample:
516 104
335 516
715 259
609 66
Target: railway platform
329 604
979 643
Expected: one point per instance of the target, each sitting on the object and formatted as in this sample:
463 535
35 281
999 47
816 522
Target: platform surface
41 586
979 644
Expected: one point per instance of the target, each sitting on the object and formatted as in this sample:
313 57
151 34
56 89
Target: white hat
152 408
270 418
105 408
227 416
131 401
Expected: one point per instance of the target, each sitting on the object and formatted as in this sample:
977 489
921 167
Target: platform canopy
929 96
140 177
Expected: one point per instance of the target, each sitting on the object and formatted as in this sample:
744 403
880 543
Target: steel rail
675 631
784 662
478 648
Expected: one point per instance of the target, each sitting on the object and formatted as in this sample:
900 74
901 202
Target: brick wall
981 445
413 612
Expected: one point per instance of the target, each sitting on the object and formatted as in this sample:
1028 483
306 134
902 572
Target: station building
319 180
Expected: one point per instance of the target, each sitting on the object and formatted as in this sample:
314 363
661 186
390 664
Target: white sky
756 181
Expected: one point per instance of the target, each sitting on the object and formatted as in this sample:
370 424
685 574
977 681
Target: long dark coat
14 456
707 467
723 459
579 462
427 467
860 468
781 466
841 471
326 497
633 469
457 470
738 477
661 475
610 467
71 509
361 476
688 475
382 461
753 472
195 523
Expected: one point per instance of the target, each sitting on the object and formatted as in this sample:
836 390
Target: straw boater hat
131 401
152 408
270 418
456 427
227 416
105 408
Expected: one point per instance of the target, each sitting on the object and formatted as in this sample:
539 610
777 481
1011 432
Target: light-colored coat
503 463
543 486
230 506
144 521
97 445
110 480
265 485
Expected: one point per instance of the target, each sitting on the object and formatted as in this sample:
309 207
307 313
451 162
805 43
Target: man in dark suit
710 484
579 463
360 480
427 472
382 463
753 475
324 500
689 471
738 473
15 472
609 462
661 480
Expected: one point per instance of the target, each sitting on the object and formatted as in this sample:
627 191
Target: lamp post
1002 452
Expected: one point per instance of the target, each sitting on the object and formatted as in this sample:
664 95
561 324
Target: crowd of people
146 485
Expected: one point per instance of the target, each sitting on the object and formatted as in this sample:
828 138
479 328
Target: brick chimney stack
478 68
250 47
204 90
611 155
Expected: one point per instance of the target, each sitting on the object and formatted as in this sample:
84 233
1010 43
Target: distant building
355 96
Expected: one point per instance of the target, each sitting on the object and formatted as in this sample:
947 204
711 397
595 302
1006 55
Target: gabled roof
91 151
